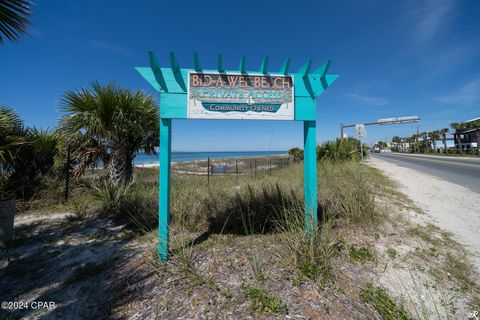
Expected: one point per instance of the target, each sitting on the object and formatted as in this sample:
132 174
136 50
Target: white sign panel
240 96
360 131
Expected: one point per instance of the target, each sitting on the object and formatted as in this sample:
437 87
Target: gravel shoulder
449 206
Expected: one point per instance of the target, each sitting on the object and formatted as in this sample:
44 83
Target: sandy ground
449 206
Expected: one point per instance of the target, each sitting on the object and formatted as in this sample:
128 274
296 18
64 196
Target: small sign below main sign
240 96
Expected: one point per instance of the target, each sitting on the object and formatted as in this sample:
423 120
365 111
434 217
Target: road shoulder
449 206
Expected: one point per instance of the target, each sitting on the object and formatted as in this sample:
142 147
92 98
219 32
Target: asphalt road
462 171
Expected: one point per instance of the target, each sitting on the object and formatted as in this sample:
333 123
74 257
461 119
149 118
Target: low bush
340 150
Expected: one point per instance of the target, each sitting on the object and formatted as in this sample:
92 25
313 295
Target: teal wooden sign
199 93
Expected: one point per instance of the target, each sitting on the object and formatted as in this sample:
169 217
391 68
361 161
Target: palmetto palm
35 159
13 18
296 154
122 121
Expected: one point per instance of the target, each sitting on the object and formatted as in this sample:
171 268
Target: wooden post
208 170
164 188
236 169
270 166
310 175
255 166
67 171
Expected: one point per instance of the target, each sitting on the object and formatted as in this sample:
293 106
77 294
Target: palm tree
396 140
433 135
87 152
13 19
457 126
122 121
476 125
443 134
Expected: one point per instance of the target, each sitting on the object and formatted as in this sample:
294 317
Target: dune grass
248 205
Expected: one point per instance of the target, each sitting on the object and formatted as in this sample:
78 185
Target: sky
393 59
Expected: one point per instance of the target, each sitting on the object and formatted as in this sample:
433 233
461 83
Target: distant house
469 136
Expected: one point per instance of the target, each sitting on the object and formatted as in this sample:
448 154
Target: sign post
237 94
164 187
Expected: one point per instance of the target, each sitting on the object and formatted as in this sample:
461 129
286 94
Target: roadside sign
360 131
198 93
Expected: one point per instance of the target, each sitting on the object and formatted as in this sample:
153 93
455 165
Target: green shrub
340 150
27 156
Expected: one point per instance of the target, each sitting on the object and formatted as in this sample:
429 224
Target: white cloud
371 100
469 94
107 46
431 18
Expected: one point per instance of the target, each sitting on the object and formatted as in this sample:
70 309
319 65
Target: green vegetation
257 269
244 206
296 154
382 302
14 16
340 150
361 254
392 253
28 156
335 150
426 142
113 119
262 301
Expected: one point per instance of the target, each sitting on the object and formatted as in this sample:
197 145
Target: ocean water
142 158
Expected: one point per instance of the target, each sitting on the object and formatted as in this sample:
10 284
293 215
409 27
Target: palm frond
14 19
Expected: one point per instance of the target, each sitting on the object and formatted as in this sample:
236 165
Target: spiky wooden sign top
172 83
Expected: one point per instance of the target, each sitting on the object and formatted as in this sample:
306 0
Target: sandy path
449 206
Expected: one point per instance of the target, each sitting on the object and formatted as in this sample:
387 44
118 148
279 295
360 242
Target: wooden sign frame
172 84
